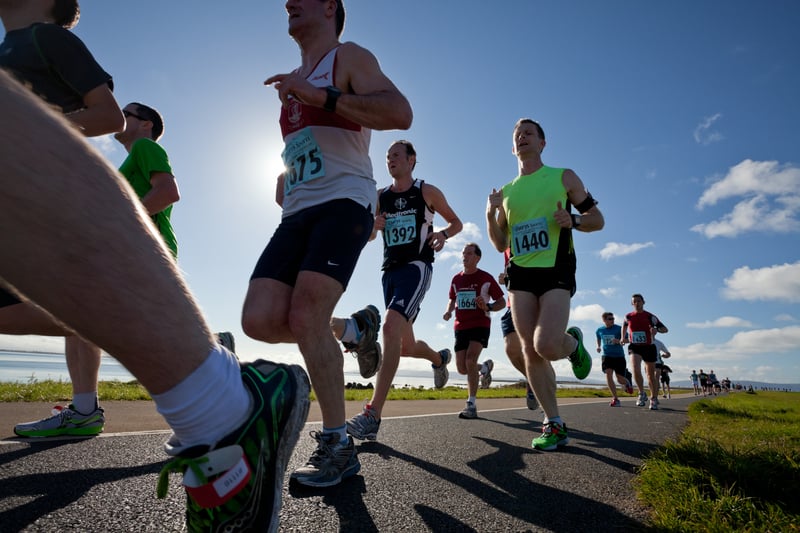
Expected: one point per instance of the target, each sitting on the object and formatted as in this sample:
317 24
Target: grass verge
35 390
736 467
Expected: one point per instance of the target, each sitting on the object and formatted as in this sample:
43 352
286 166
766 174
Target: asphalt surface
428 471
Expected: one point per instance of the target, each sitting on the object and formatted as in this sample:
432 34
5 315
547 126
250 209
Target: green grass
35 390
736 467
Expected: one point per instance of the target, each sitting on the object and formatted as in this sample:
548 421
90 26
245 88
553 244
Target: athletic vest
326 156
536 239
409 221
639 325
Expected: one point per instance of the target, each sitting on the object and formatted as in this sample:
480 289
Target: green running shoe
553 435
580 358
238 485
65 421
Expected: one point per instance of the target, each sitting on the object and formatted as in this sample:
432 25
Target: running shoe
486 373
530 400
65 421
615 402
469 412
440 373
580 358
365 425
225 338
330 463
367 349
642 400
553 435
238 484
628 386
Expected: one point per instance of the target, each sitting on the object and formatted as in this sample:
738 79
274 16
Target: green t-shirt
145 158
536 239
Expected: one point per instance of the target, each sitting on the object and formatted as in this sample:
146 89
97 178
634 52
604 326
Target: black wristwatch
576 221
333 95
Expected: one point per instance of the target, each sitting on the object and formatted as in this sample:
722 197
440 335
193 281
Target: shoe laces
179 465
324 449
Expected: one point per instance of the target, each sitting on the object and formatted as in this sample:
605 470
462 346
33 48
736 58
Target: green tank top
536 239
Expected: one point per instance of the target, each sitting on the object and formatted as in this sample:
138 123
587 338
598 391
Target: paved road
427 472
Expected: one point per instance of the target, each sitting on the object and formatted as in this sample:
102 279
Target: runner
609 343
639 329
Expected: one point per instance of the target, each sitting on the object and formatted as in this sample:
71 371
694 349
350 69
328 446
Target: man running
639 330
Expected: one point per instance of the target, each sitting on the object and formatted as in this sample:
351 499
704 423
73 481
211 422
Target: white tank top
326 156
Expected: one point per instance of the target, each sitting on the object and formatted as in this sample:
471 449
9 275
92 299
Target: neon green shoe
65 421
580 358
553 435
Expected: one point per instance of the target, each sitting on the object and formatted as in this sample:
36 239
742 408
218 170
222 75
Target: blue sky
680 118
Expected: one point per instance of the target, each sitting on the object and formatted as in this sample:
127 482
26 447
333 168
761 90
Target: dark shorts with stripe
507 323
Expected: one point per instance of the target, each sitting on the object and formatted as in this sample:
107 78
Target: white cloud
105 144
589 313
753 177
618 249
721 322
753 342
770 200
703 134
452 249
778 282
784 317
609 292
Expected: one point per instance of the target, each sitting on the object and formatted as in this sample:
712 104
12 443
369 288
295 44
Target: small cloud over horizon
618 249
721 322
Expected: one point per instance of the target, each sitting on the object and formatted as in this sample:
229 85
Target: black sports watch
333 95
576 221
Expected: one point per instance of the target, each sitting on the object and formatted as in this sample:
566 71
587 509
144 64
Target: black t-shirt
53 63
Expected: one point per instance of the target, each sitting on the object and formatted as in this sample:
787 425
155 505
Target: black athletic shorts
647 351
540 280
617 364
325 238
464 336
507 323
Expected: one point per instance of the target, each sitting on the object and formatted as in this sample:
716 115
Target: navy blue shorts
404 287
464 336
326 238
507 323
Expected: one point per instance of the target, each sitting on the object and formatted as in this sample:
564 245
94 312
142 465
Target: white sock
471 399
85 402
351 333
341 432
209 404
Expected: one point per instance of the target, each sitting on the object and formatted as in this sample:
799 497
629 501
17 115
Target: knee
260 326
549 349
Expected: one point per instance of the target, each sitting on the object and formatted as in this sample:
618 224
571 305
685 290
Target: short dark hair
148 113
608 314
66 13
539 129
339 18
409 149
637 294
476 248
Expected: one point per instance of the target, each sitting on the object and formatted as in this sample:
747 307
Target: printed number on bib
530 236
608 340
466 300
639 337
400 230
302 158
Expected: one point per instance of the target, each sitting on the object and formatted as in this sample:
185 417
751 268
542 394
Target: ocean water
25 366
